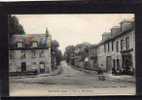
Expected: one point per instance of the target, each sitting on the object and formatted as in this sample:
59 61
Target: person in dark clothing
101 74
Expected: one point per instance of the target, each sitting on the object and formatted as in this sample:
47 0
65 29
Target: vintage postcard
71 54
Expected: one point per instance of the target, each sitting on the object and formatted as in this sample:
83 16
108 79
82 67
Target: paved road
70 82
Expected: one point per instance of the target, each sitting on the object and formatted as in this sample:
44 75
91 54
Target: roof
27 41
119 34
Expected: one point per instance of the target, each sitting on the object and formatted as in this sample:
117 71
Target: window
23 54
117 48
112 45
122 44
33 53
108 46
127 43
19 44
42 67
41 54
34 44
104 47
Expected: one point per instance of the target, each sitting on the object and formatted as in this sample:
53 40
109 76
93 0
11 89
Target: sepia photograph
72 54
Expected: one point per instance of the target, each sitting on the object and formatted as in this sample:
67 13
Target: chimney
115 31
106 36
126 25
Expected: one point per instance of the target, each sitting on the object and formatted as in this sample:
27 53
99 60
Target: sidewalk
110 77
124 78
22 77
56 72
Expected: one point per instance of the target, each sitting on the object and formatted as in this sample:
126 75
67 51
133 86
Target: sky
72 29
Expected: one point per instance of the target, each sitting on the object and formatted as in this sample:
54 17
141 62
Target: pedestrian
101 74
86 61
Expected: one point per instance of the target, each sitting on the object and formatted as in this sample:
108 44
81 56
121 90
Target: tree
56 54
54 44
69 52
14 27
84 49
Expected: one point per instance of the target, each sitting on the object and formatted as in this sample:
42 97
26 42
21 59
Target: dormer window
19 44
34 44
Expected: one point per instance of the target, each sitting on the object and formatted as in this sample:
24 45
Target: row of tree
81 50
56 54
14 27
82 56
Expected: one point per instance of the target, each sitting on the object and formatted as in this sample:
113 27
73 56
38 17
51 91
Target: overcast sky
71 29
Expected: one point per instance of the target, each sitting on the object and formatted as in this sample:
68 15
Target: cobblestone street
69 82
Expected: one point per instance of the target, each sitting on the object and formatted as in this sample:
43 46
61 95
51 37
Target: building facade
116 51
93 57
28 53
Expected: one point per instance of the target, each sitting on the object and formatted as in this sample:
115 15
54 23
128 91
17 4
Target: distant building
30 52
93 57
116 51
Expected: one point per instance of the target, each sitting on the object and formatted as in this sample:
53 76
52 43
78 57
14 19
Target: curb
132 80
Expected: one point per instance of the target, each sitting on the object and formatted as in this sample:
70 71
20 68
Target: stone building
30 52
116 51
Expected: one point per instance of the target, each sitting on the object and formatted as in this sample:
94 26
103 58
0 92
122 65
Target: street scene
78 82
45 63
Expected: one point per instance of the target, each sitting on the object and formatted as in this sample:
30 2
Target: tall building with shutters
30 53
116 51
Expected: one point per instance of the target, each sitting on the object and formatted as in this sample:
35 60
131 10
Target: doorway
42 67
108 64
23 67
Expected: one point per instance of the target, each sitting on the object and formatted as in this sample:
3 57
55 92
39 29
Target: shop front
127 63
